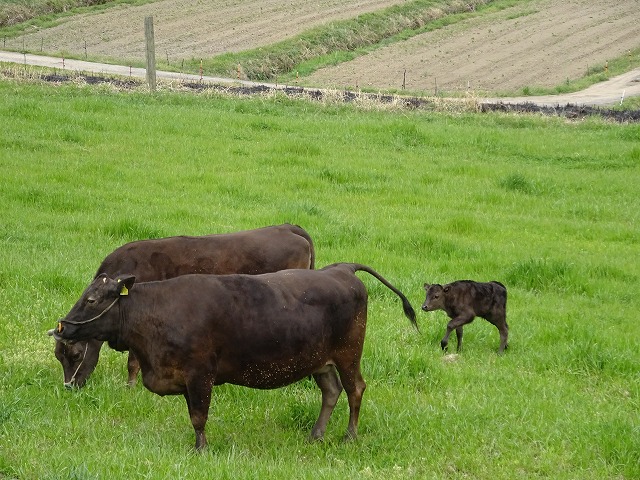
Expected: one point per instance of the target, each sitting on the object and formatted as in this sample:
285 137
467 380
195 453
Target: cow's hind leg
354 385
331 387
500 323
503 328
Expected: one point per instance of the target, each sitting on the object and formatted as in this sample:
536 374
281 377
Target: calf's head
94 315
435 297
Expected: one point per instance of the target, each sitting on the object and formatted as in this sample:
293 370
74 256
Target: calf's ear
426 286
125 282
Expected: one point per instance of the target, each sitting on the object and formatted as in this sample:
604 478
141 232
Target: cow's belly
164 381
268 376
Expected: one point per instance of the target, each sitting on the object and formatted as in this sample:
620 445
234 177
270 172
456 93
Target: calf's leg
503 328
331 387
500 323
459 337
455 324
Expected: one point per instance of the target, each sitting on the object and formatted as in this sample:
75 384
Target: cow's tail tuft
406 306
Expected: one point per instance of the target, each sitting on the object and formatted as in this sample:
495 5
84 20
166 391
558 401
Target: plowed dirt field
538 43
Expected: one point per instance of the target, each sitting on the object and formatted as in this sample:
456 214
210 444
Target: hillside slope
540 43
534 43
185 29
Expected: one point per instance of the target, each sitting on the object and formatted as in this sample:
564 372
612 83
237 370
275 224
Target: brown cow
463 300
260 331
263 250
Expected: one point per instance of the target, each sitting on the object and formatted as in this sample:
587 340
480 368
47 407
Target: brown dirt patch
535 43
185 29
540 43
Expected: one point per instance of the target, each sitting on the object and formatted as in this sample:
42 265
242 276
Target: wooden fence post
151 52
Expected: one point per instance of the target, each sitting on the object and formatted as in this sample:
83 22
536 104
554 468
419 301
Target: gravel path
606 93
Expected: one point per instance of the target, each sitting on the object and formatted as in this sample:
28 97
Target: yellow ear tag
124 291
59 327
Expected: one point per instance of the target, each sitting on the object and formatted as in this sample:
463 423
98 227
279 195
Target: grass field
546 206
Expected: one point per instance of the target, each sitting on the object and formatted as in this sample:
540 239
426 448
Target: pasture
546 206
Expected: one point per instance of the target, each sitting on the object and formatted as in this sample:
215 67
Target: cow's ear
125 282
426 286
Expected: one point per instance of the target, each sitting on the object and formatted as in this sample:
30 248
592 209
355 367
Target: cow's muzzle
54 332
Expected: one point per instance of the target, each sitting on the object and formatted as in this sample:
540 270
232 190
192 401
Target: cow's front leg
459 337
198 399
455 324
444 343
133 367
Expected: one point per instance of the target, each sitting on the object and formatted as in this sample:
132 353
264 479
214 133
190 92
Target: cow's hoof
315 437
348 437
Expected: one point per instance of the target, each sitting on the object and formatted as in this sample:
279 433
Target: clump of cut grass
517 182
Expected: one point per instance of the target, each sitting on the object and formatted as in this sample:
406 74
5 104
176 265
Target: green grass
546 206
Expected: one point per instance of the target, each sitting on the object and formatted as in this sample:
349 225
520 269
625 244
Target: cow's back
481 297
262 250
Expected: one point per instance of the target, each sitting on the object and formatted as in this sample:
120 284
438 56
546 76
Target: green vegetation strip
547 206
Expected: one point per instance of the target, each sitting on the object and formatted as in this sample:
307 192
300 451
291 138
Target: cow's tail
408 309
298 230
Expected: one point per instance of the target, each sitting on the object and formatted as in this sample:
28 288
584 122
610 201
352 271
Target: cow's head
95 315
435 297
78 360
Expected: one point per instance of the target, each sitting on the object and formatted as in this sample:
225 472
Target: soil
543 43
186 29
539 43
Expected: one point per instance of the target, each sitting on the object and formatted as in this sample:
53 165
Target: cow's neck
136 329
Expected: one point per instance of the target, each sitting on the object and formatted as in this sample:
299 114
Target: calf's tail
408 309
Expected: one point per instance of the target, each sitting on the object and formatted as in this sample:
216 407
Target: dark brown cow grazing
264 331
463 300
263 250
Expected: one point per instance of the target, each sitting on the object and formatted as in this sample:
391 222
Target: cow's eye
91 300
